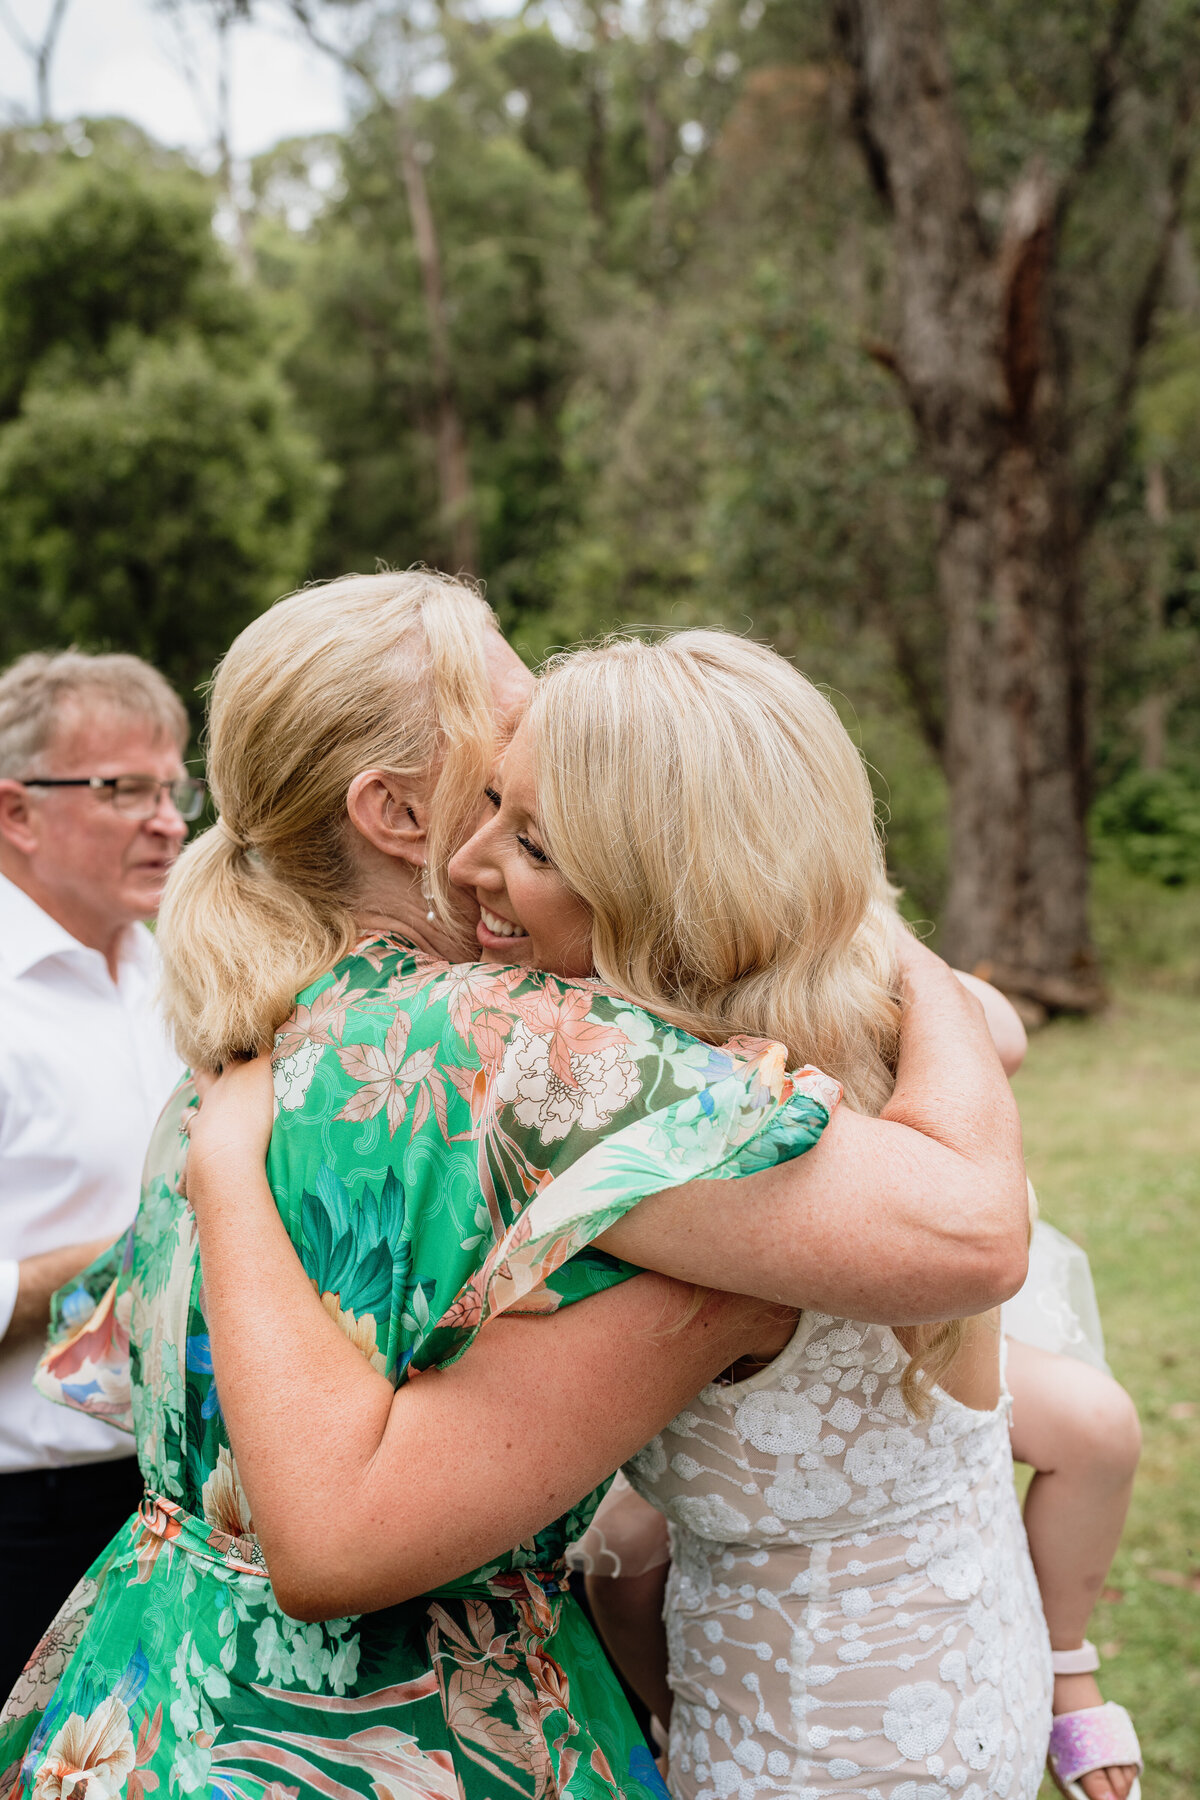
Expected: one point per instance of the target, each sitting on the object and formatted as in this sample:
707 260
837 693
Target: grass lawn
1111 1108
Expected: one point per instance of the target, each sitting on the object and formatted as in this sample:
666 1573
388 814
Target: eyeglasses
136 796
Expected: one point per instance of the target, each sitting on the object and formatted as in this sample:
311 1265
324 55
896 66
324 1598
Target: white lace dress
851 1608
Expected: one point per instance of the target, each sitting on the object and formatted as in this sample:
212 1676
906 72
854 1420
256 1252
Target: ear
390 812
17 825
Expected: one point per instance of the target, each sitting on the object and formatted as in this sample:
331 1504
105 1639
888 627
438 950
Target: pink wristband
1083 1661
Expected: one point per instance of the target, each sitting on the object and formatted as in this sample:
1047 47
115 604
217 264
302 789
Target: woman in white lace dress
893 1626
852 1610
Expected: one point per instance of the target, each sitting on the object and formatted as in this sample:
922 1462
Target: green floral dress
449 1141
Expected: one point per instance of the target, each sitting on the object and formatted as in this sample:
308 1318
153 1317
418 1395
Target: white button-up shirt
85 1068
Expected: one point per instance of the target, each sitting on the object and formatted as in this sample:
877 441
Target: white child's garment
1056 1308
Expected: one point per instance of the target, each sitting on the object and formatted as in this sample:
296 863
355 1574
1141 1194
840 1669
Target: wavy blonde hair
371 671
706 802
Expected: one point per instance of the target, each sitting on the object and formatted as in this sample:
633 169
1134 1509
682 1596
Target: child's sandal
1098 1737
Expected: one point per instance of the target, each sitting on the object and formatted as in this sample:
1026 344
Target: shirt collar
29 936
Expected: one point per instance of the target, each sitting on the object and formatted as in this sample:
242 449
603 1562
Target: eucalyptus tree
381 45
213 93
1034 165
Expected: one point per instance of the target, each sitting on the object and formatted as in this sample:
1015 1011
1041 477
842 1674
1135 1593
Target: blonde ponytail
707 803
238 946
372 671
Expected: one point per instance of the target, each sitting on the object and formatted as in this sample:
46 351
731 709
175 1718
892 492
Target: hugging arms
360 1495
459 1144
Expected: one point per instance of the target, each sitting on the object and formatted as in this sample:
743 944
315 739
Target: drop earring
427 893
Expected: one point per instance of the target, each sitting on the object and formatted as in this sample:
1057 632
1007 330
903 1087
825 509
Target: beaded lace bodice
851 1608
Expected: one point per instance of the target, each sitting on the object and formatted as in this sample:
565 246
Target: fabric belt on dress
161 1523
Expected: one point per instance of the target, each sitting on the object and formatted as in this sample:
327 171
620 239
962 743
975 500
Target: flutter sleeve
85 1364
594 1104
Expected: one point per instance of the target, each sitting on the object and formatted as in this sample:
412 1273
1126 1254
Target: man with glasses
94 805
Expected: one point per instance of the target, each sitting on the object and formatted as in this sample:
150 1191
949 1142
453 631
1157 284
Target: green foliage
156 490
1152 818
1144 931
101 254
155 511
510 242
670 295
1112 1139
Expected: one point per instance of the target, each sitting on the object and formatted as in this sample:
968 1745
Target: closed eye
489 793
532 849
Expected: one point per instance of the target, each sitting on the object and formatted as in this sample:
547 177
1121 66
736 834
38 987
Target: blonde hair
371 671
706 802
45 694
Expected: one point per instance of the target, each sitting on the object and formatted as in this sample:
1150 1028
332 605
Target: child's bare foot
1078 1693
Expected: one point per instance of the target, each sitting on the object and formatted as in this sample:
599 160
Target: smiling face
528 914
511 683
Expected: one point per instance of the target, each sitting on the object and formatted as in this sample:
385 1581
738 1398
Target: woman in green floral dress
397 1169
173 1667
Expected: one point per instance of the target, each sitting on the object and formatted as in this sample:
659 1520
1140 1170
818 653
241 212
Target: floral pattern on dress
851 1609
449 1140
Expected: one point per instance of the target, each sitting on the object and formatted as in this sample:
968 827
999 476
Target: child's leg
1079 1431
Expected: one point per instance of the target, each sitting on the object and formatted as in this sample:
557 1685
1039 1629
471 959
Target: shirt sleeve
10 1281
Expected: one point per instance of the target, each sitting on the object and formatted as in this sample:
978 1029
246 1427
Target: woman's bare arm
1003 1021
918 1215
362 1497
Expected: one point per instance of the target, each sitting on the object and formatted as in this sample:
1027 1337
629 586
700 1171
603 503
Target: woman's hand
232 1126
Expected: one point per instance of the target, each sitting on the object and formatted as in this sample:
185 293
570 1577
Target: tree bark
455 491
1155 708
1016 744
976 360
450 445
980 354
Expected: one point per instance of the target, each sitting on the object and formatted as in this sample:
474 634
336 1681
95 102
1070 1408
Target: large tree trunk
975 356
1016 754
